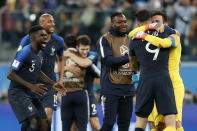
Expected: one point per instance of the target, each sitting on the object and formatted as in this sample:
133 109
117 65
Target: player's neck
35 48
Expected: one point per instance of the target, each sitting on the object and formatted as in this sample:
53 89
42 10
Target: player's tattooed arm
38 89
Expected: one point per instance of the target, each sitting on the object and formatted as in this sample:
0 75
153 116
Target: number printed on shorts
94 110
155 51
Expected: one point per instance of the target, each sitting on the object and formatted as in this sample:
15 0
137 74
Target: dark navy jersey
153 60
90 74
108 61
27 65
54 47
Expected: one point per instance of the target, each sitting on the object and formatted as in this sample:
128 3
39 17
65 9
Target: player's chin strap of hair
96 70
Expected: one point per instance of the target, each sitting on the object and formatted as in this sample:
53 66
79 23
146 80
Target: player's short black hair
162 13
70 40
142 15
84 40
35 28
115 14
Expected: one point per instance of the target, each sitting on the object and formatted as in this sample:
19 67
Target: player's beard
118 30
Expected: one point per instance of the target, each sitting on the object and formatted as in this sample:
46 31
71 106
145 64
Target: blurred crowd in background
91 17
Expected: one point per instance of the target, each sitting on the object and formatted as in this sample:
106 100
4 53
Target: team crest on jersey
52 51
30 108
124 50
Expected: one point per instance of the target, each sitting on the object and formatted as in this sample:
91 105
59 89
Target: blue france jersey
153 60
27 65
90 75
54 47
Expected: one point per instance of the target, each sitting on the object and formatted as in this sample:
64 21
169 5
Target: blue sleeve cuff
173 41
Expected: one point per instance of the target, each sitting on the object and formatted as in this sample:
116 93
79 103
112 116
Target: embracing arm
134 31
107 57
83 62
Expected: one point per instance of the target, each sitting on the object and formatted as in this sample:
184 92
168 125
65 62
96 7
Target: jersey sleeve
93 56
25 41
107 57
164 43
159 42
20 58
169 30
141 28
62 47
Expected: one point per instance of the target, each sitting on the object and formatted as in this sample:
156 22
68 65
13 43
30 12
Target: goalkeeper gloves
139 35
155 26
151 26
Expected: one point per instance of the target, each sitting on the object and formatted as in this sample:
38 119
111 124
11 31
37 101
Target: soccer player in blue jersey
154 82
117 89
91 74
54 49
24 88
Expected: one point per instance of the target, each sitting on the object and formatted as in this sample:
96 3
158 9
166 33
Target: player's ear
137 24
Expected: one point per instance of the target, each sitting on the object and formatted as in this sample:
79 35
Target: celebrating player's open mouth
43 45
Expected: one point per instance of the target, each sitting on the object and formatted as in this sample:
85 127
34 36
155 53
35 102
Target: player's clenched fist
139 35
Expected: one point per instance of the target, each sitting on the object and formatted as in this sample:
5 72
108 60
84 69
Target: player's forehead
41 33
46 17
81 46
157 17
120 18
